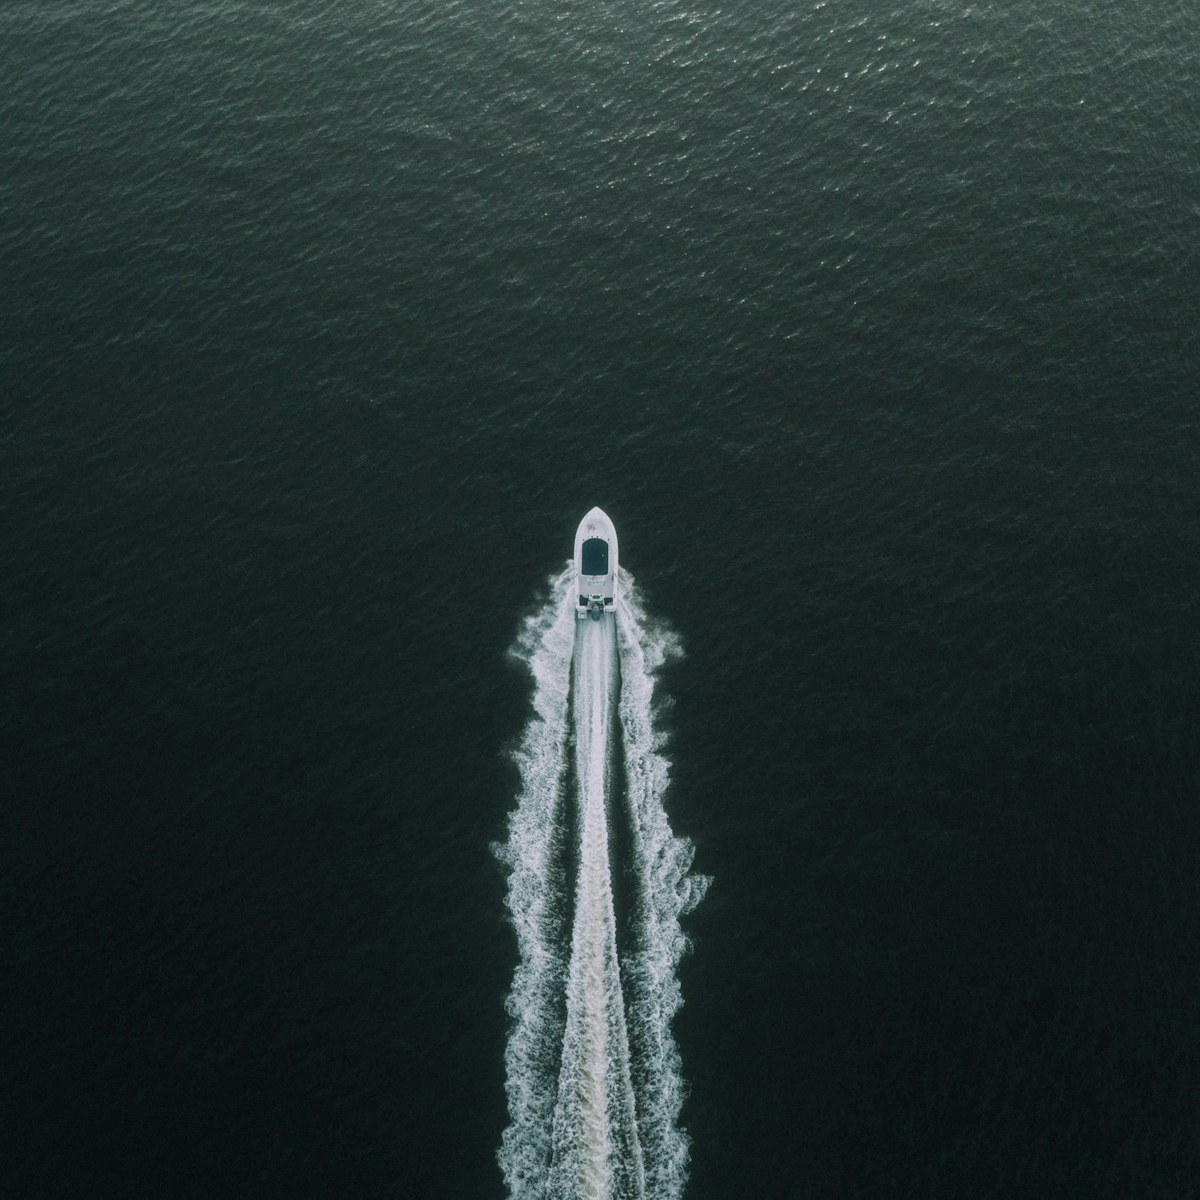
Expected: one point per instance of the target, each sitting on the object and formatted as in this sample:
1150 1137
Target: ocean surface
876 331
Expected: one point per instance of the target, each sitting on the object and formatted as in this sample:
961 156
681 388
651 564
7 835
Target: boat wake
593 1074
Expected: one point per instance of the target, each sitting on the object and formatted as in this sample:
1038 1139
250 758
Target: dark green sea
875 329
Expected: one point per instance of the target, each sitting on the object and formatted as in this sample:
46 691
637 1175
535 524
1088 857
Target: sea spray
596 1151
593 1073
664 891
535 897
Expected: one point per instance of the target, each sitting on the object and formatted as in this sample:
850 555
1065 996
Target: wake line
595 1148
593 1074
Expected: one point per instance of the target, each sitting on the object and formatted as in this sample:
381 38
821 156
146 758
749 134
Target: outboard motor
596 609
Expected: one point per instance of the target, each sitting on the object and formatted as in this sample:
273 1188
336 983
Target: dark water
874 329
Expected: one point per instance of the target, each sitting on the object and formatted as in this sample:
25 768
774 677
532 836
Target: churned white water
593 1073
665 889
596 1153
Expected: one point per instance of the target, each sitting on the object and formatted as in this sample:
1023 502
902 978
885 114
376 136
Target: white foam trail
596 1151
664 891
594 1083
535 901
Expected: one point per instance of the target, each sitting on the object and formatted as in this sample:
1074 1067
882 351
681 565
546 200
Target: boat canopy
594 559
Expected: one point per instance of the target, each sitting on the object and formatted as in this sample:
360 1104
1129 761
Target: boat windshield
594 560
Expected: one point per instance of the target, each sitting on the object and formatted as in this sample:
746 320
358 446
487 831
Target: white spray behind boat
594 1081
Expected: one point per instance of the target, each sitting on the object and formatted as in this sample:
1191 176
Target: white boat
595 566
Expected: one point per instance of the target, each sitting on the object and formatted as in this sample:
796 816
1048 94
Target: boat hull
595 566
